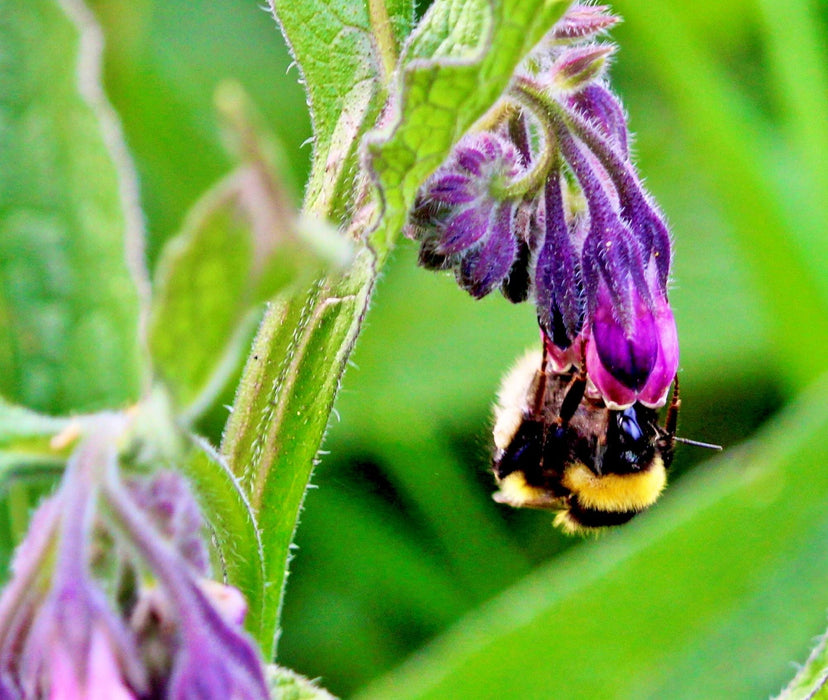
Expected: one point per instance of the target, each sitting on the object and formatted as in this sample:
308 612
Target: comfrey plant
155 566
113 592
543 199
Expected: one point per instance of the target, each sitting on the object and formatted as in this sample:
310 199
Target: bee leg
670 425
538 390
572 399
671 421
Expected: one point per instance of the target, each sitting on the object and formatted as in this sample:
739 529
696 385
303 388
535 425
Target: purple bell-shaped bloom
636 361
631 341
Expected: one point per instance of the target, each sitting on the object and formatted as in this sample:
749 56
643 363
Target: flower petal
463 230
627 356
483 268
654 394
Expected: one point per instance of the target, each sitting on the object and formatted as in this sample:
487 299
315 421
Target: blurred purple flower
97 676
208 655
170 633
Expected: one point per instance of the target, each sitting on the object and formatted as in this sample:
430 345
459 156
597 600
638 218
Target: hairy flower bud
578 66
558 286
462 219
583 22
600 108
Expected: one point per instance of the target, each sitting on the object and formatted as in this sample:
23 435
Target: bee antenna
696 443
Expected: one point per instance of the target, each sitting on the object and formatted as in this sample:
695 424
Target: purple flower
631 341
463 220
634 362
207 654
549 204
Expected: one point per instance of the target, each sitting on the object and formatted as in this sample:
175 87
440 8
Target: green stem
282 408
386 46
535 177
501 111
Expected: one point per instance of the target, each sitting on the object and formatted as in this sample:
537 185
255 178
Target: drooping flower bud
558 286
576 68
463 220
583 22
601 108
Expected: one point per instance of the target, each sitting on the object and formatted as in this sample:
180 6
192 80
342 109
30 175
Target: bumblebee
558 447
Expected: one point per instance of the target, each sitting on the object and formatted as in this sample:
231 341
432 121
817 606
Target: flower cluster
545 201
111 597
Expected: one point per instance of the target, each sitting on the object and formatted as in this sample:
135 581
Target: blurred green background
401 539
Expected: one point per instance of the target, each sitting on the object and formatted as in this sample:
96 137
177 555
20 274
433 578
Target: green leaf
203 294
241 244
345 51
673 605
455 65
233 524
70 232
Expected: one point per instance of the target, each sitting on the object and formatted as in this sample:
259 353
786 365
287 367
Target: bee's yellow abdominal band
616 493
